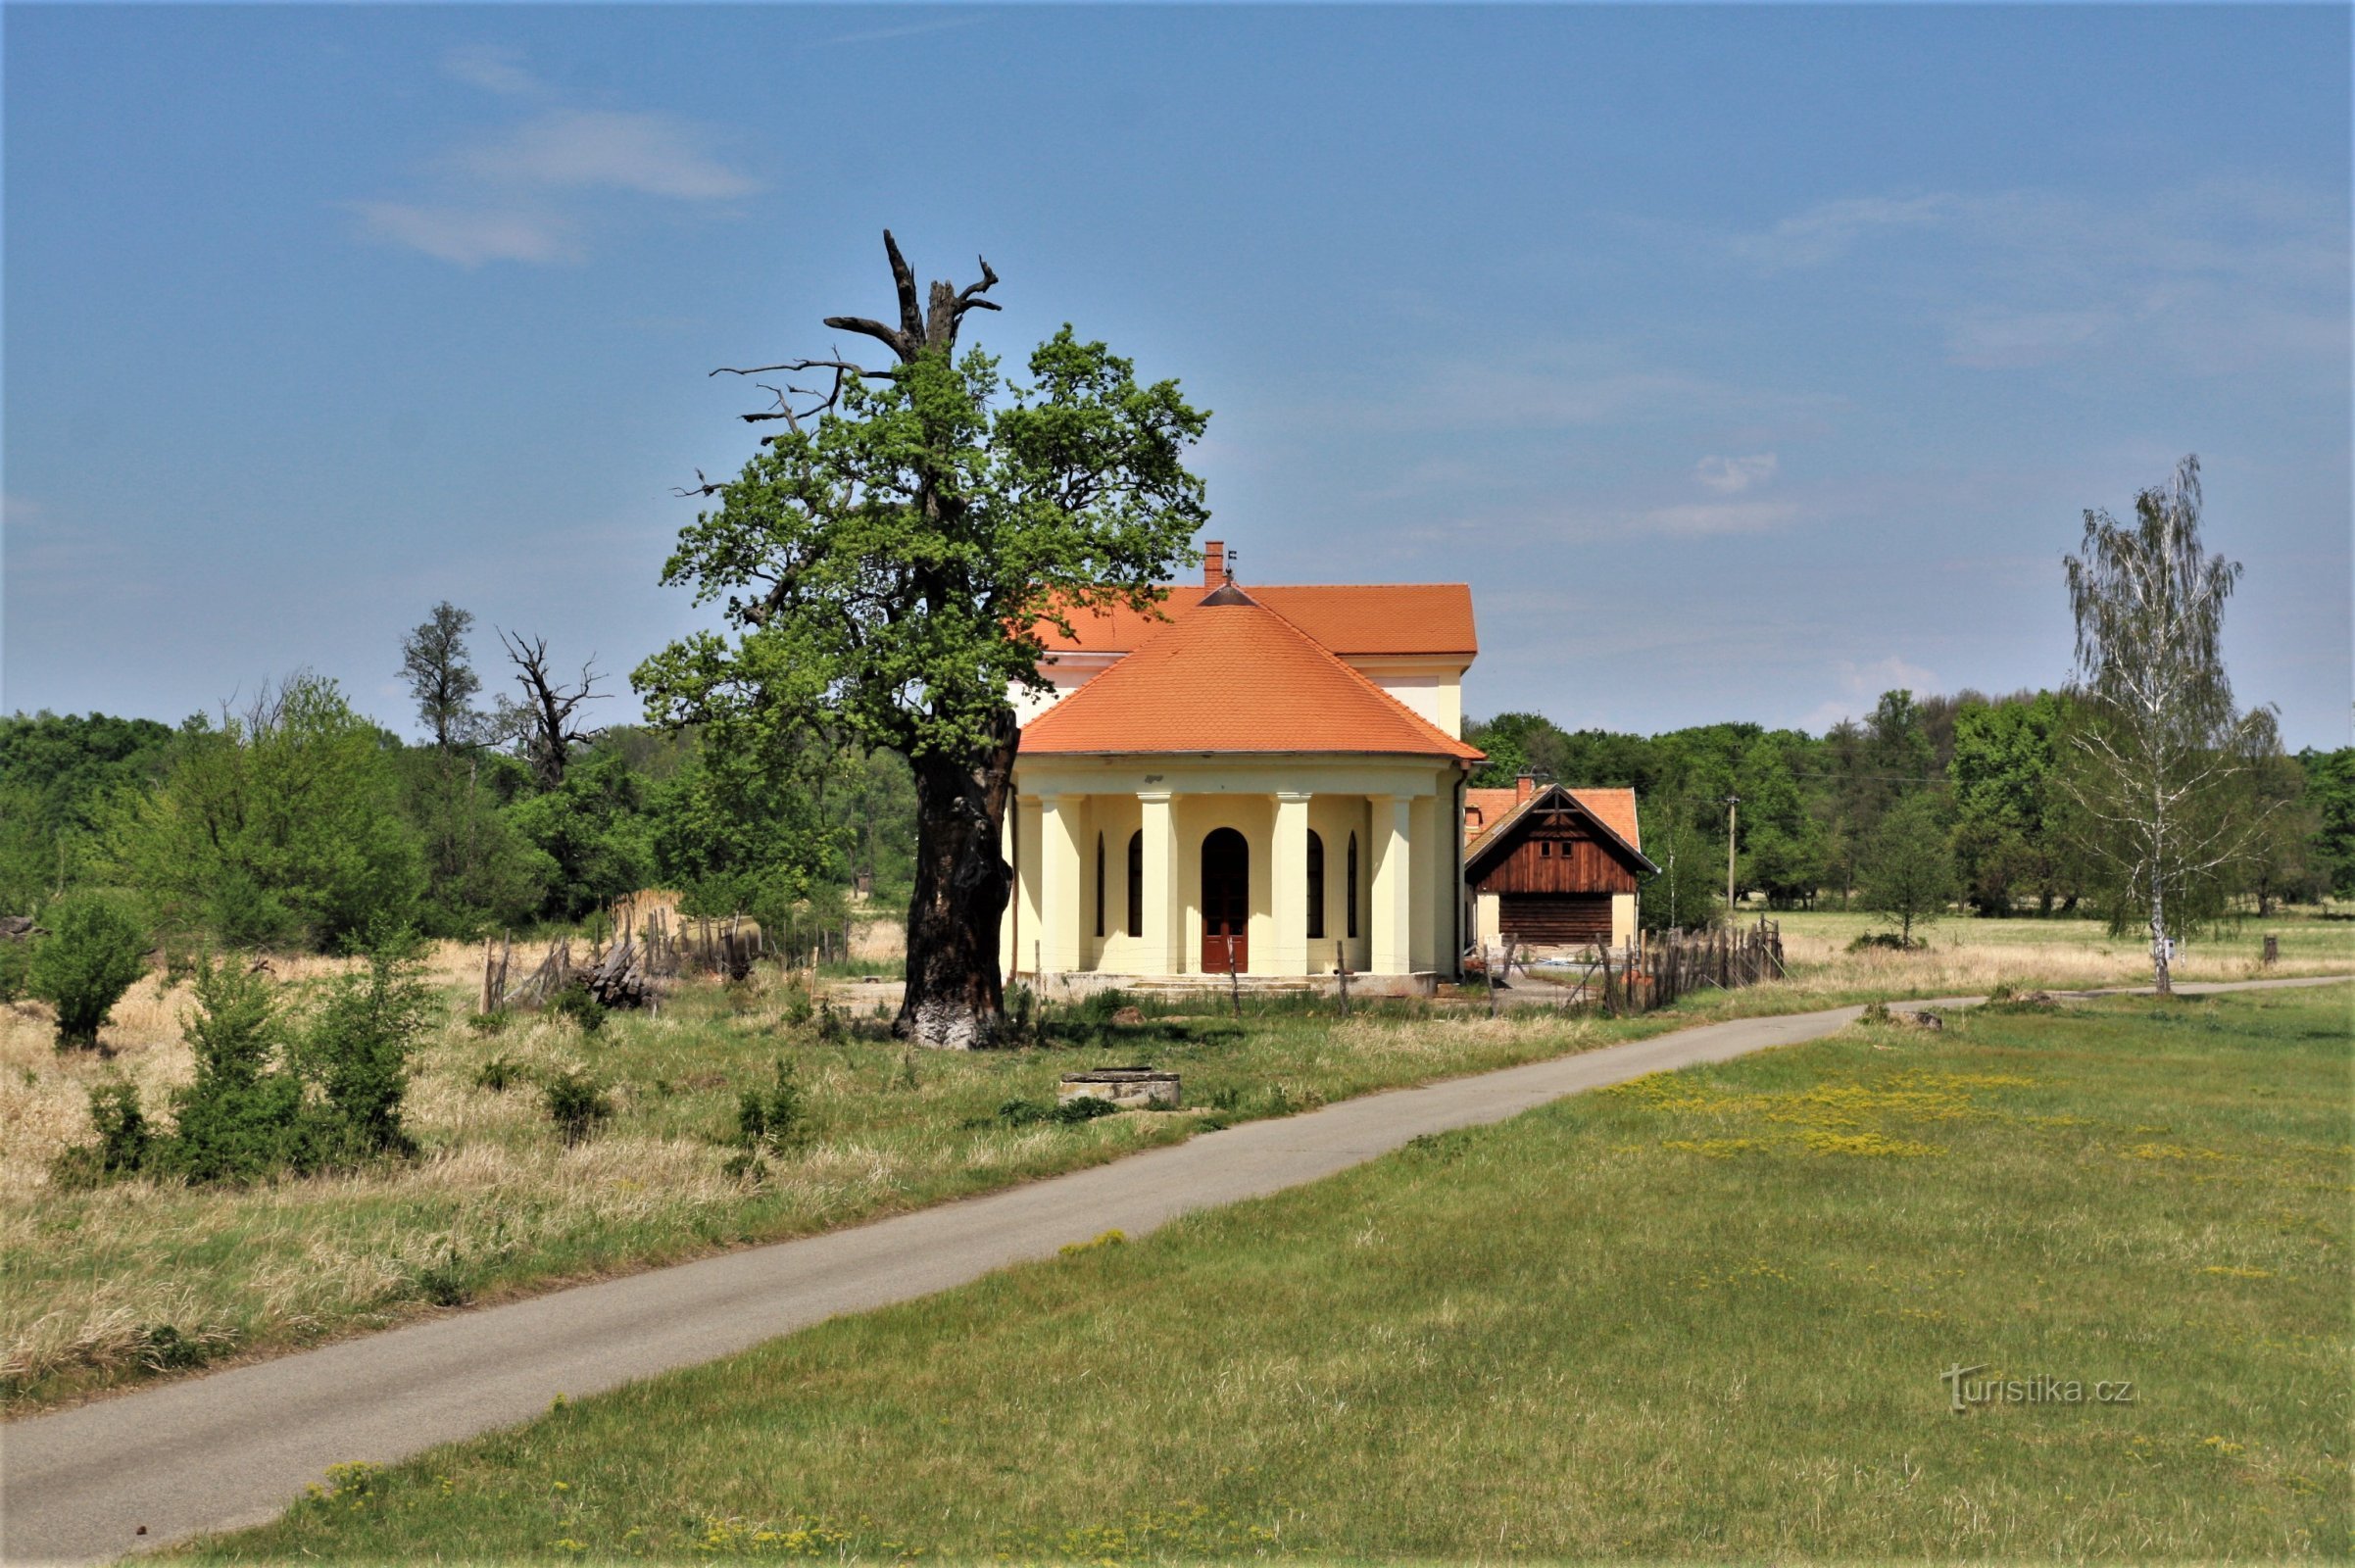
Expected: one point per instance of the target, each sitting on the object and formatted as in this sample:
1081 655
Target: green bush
500 1073
240 1119
576 1103
94 951
357 1045
15 968
122 1142
776 1120
579 1004
1021 1112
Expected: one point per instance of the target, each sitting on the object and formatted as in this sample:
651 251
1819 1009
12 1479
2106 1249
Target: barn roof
1611 811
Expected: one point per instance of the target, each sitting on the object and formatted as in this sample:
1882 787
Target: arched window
1136 884
1099 887
1352 889
1316 885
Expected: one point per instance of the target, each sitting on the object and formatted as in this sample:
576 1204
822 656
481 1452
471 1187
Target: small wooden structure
1553 867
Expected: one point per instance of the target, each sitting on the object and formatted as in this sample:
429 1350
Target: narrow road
237 1446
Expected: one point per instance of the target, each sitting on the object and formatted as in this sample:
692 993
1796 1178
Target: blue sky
1745 362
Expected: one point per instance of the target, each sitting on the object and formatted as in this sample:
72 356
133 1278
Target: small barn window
1316 885
1100 888
1136 884
1544 849
1352 889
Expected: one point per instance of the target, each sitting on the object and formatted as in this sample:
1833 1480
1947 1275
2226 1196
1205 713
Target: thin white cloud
1710 519
490 67
2220 275
913 29
526 194
1829 230
653 154
470 236
1860 688
1731 475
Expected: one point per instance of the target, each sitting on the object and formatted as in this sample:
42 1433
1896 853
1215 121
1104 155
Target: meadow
139 1279
1703 1317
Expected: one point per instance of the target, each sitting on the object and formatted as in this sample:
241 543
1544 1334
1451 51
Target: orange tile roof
1235 677
1418 618
1614 808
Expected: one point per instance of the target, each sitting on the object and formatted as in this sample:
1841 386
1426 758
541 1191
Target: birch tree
2161 748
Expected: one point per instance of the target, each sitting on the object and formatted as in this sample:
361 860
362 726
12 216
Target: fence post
1341 967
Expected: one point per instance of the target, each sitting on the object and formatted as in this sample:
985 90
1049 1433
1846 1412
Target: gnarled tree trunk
955 996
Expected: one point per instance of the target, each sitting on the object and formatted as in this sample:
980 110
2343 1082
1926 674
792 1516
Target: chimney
1524 787
1215 562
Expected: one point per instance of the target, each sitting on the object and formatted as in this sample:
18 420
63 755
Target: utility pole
1732 806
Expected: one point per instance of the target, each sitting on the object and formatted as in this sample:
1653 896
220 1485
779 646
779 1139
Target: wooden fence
1656 971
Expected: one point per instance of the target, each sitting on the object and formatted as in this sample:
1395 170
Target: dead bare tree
542 723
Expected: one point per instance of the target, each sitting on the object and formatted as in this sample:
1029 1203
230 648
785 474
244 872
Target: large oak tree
884 562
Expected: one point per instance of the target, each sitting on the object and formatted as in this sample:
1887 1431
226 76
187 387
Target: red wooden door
1226 902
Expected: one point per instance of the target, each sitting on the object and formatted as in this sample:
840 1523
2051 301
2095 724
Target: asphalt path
236 1447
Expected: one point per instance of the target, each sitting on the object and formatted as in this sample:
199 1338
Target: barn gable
1552 867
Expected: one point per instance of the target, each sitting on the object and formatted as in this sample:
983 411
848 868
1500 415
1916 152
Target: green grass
1701 1317
144 1278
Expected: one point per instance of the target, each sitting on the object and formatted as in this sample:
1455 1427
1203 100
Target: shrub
1021 1112
122 1142
487 1023
15 968
1097 1009
241 1118
776 1120
95 949
579 1004
798 1008
576 1103
357 1047
500 1073
1888 941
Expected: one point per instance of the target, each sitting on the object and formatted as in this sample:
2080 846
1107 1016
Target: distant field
1702 1316
1970 955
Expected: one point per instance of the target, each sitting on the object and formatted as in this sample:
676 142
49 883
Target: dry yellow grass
497 1203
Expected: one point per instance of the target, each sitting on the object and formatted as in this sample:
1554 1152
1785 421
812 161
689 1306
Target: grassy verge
100 1288
1701 1317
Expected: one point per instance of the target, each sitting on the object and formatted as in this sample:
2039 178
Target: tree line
1977 784
295 821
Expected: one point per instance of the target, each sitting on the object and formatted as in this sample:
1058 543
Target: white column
1288 885
1393 883
1164 922
1423 947
1060 897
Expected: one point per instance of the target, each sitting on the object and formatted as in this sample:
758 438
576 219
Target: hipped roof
1235 677
1351 618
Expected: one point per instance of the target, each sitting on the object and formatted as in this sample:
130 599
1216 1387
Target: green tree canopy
280 824
885 565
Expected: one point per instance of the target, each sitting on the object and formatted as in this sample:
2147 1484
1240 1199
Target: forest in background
296 821
1968 791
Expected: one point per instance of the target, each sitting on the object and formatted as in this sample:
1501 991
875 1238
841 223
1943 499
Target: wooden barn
1552 867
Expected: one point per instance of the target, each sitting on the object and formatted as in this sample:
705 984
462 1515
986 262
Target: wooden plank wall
1578 865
